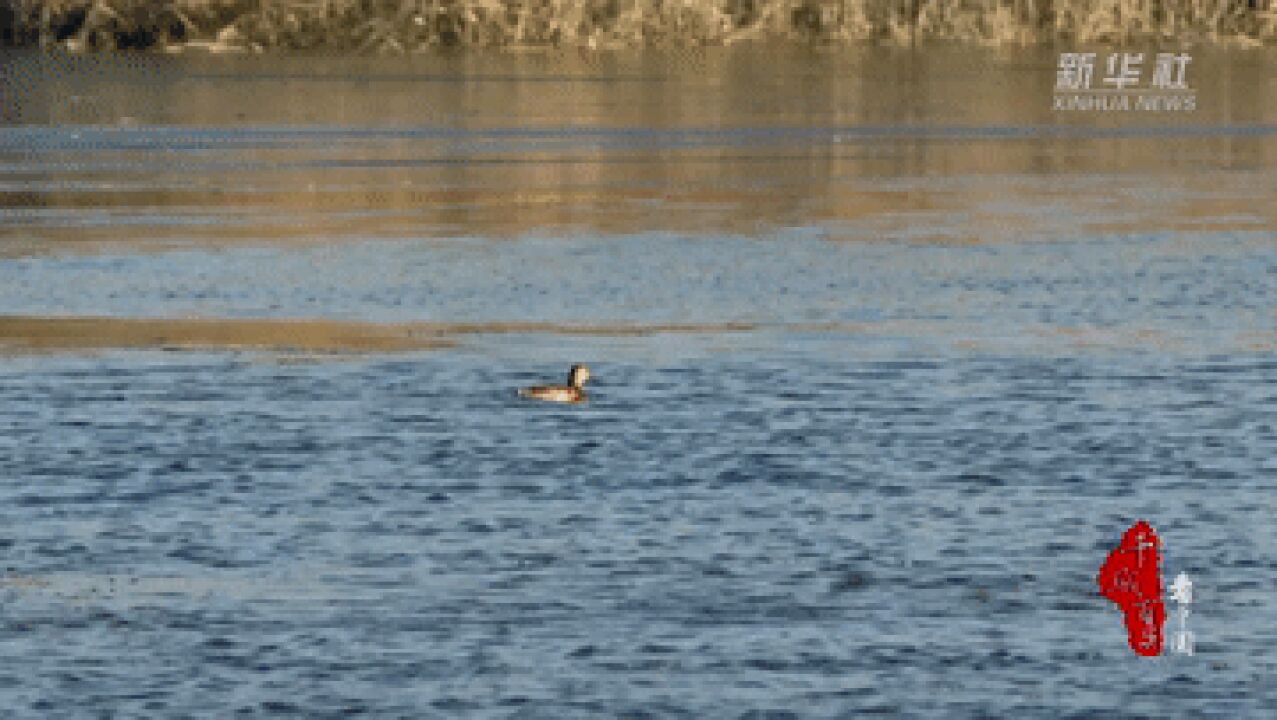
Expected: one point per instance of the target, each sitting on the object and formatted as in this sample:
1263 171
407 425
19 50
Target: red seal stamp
1129 577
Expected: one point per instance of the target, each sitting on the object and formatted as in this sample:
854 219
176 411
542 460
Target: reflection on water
872 143
886 355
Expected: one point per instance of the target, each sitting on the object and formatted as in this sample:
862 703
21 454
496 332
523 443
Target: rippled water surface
886 355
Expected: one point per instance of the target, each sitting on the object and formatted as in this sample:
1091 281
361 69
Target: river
887 352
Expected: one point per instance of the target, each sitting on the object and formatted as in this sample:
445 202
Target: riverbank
399 26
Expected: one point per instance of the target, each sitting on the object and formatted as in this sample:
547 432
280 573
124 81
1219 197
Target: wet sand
317 338
54 334
78 333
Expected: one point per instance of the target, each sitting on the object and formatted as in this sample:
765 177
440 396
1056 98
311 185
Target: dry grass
396 26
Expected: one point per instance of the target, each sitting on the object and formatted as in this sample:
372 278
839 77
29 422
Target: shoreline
41 335
235 26
51 333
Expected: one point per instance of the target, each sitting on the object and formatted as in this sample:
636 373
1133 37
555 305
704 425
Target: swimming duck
570 393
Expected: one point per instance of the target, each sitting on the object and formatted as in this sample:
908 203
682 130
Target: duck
570 393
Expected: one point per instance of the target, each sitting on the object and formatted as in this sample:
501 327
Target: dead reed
397 26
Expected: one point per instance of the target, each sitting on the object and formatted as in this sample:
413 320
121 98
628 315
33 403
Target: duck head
578 375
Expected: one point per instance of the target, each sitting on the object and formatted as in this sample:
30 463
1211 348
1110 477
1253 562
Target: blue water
931 384
777 531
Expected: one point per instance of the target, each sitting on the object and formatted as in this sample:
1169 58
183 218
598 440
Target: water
887 357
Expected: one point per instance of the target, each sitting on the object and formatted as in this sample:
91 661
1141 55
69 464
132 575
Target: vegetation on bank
395 26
